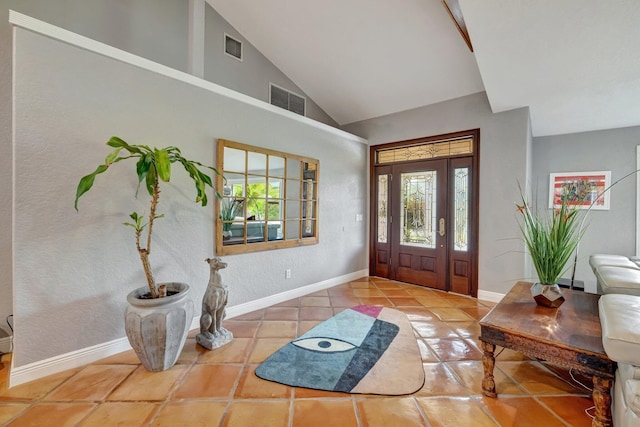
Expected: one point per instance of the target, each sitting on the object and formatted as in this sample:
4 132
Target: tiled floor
219 388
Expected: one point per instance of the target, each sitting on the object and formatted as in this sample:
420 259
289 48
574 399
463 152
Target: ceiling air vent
288 100
232 47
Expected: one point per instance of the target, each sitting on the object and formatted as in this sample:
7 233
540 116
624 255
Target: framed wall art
580 189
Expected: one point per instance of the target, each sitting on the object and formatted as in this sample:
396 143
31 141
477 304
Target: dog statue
212 335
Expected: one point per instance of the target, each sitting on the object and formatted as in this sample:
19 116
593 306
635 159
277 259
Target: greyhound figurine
212 335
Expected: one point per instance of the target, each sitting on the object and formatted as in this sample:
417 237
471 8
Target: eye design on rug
325 345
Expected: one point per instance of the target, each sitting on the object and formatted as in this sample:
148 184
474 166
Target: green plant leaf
163 164
142 169
111 157
151 179
86 182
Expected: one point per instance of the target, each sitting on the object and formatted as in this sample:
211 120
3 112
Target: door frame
474 134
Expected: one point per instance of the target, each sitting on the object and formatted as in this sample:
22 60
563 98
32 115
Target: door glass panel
383 198
418 209
461 209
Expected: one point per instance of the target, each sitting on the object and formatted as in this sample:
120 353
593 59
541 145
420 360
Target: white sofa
616 274
620 320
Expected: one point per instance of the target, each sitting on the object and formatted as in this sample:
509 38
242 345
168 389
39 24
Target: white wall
73 270
614 150
504 139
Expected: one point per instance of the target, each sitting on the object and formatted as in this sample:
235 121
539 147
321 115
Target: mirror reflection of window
269 199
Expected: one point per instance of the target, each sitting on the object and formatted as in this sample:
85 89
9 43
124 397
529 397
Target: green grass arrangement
550 239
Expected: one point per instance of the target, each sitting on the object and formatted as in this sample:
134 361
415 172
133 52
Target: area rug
364 349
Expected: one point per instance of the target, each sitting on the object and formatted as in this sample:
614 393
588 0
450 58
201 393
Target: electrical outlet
287 273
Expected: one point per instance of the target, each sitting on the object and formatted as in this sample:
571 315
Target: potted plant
158 317
550 240
230 208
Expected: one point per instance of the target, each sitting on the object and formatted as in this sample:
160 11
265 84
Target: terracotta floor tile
10 410
125 358
396 293
190 413
344 301
315 302
281 313
121 414
471 372
386 412
466 329
93 382
257 413
315 313
439 380
340 290
362 284
536 379
265 347
383 301
277 329
145 385
53 414
451 314
209 381
254 315
417 314
236 351
372 292
242 329
570 408
426 353
433 301
386 285
453 349
505 354
405 302
476 312
310 393
421 291
317 413
191 351
455 412
252 387
433 329
322 293
290 303
35 389
520 412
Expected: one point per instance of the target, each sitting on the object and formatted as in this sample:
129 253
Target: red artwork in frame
580 189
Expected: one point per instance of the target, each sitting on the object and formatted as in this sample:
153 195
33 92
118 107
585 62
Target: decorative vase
547 295
157 328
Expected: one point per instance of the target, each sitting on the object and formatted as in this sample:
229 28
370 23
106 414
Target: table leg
602 401
488 363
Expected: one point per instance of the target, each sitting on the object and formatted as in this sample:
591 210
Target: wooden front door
424 222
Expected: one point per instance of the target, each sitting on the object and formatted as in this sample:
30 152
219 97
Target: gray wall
73 270
611 231
154 29
504 141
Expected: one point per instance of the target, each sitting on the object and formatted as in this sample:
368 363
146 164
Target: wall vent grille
288 100
232 47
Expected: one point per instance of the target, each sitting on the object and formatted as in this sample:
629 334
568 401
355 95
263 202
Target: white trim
65 36
489 296
235 39
78 358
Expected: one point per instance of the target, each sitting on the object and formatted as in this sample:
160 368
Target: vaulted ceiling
575 63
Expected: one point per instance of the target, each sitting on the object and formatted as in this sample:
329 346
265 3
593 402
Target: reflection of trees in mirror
257 200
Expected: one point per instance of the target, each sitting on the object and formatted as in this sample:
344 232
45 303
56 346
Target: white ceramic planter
157 328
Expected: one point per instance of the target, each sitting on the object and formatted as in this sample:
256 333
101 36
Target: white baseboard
489 296
78 358
5 345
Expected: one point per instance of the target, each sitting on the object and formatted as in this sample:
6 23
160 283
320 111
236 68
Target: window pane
276 166
461 206
293 189
293 209
383 197
255 231
309 171
233 185
308 228
275 230
274 210
276 188
418 209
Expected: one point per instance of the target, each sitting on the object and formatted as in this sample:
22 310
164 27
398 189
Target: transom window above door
269 199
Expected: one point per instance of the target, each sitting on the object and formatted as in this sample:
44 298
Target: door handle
441 228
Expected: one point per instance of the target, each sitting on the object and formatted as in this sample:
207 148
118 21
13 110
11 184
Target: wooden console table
569 336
